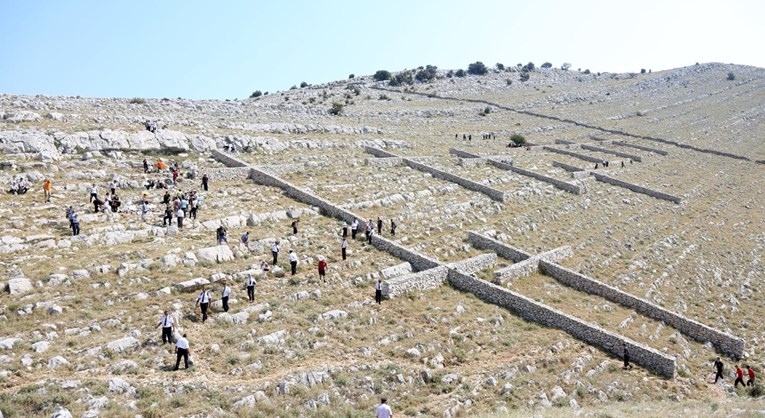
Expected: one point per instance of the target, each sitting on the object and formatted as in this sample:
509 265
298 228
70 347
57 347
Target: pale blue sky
227 49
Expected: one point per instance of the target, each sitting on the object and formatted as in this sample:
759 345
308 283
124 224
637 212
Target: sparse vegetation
460 73
382 75
303 84
256 94
565 66
337 108
351 76
731 76
477 68
547 65
500 66
137 100
426 74
524 76
518 139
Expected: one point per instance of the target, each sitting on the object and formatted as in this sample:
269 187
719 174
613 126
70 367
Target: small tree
401 78
303 84
426 74
524 76
450 74
351 76
565 66
530 66
382 75
256 93
509 82
294 87
547 65
337 108
518 139
477 68
460 73
731 76
642 71
500 66
587 71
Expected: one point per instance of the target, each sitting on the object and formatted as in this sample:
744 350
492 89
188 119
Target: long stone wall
565 186
641 147
503 250
608 151
387 161
573 154
636 188
569 168
228 173
725 343
532 310
443 175
530 265
477 263
229 160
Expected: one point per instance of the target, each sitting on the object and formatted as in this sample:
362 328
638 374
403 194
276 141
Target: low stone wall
232 173
641 147
229 160
385 161
478 263
725 343
530 265
564 142
462 154
418 261
532 310
608 151
443 175
560 184
569 168
505 251
471 162
282 169
636 188
423 280
574 154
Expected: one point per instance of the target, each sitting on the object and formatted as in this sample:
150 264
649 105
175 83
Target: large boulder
19 286
217 254
191 285
123 344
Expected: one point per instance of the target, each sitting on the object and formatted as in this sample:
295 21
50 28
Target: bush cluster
426 74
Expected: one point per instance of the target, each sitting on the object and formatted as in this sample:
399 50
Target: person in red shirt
739 377
323 269
750 372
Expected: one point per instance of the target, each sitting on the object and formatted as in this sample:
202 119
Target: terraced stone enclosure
514 276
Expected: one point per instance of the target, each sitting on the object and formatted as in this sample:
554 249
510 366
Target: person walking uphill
719 368
378 291
294 226
627 364
46 190
750 373
383 410
203 301
739 377
323 270
167 328
250 284
224 296
74 220
182 351
354 228
275 252
344 247
293 262
379 226
205 181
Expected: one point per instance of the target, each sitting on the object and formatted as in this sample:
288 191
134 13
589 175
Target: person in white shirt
275 252
203 301
224 297
182 351
144 210
378 291
180 215
167 327
383 410
354 228
264 268
113 187
250 283
293 262
93 192
343 247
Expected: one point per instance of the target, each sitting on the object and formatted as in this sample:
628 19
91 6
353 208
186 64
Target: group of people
111 201
152 125
183 205
718 364
19 185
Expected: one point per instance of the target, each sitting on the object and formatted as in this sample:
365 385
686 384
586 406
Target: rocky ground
79 313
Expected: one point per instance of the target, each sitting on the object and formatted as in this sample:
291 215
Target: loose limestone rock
123 344
19 286
217 254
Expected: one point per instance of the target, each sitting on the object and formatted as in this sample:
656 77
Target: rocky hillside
79 313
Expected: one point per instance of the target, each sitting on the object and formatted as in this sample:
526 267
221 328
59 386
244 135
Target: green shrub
294 87
642 71
137 100
460 73
256 93
500 66
547 65
477 68
524 76
351 76
426 74
518 139
509 82
587 71
401 78
529 66
303 84
450 74
565 66
337 108
756 391
382 75
731 76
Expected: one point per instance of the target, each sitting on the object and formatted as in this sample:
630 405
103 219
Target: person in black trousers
205 181
378 291
343 247
345 230
379 226
251 288
627 364
203 301
224 297
392 227
167 328
294 226
719 368
354 228
182 351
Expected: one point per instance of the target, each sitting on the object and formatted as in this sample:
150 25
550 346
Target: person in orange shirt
46 189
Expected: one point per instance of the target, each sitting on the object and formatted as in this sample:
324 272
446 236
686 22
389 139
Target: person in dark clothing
750 373
392 227
379 226
345 230
168 218
205 181
166 197
719 368
739 377
167 328
145 166
294 226
627 364
97 203
378 291
344 247
182 351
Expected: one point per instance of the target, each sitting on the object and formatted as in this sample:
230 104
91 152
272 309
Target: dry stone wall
569 168
641 147
233 173
505 251
636 188
478 263
532 310
608 151
573 154
229 160
443 175
423 280
387 161
530 265
725 343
